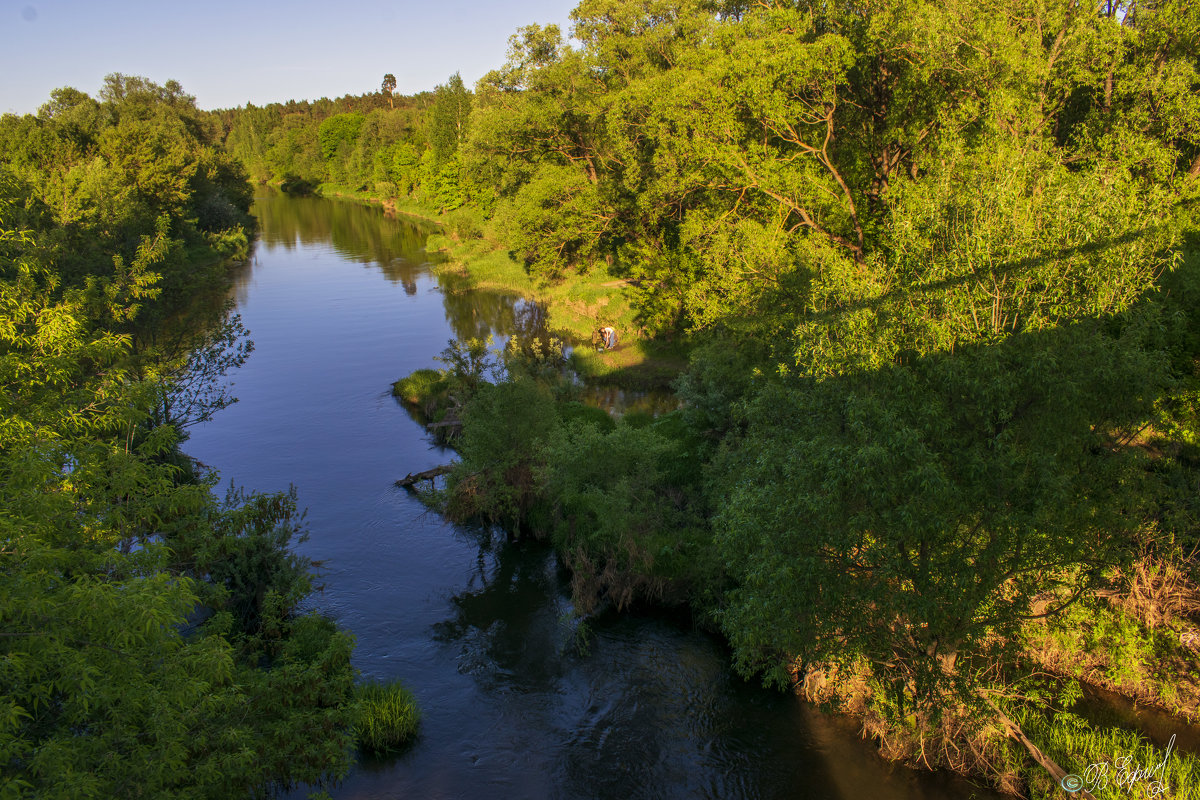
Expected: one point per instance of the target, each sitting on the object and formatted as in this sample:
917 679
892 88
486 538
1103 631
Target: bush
423 388
466 223
576 412
622 526
500 477
387 716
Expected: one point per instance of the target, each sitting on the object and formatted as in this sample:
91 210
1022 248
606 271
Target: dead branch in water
411 478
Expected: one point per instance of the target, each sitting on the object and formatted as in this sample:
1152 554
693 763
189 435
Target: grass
1107 646
1106 760
401 205
421 388
387 716
643 364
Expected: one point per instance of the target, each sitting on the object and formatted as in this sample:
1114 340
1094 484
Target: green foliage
470 362
555 221
246 558
573 413
505 430
337 132
628 531
1110 761
189 366
714 384
1108 646
913 511
151 645
944 260
387 716
449 119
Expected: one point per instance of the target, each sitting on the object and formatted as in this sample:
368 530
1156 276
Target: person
608 335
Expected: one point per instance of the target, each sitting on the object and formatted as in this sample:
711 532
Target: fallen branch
1015 732
408 480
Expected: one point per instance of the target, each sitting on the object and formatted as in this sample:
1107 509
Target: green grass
421 388
402 205
387 716
644 364
1104 756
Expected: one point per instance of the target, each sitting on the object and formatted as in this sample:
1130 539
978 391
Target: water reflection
360 233
643 706
480 628
1102 707
480 314
617 401
508 626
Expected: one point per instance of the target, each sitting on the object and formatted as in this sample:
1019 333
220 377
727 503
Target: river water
340 302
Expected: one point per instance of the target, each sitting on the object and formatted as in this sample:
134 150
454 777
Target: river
340 302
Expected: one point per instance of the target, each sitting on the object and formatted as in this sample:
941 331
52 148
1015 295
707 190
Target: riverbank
518 696
474 259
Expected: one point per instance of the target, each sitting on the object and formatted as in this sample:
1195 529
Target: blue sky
230 53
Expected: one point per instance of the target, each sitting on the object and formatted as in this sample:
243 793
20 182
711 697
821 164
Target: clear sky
229 53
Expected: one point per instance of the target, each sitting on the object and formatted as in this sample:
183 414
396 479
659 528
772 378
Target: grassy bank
398 205
575 307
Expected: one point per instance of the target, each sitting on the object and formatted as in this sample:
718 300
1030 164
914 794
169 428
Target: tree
449 118
388 86
112 681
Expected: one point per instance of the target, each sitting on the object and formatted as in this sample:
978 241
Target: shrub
499 479
387 716
576 412
466 223
423 388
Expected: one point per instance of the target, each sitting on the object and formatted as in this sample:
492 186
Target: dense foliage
150 639
939 262
942 258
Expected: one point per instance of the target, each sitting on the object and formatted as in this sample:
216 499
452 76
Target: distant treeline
387 145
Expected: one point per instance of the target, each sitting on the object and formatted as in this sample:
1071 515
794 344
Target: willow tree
979 204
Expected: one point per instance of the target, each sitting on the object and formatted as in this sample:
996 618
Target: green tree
449 118
112 549
388 86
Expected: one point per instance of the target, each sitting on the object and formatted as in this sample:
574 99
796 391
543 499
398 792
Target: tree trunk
1015 732
408 480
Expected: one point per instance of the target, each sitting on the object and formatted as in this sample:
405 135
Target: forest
138 610
935 267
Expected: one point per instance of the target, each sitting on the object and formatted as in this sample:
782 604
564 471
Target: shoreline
575 307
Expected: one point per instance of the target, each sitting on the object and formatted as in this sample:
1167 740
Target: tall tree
388 86
449 119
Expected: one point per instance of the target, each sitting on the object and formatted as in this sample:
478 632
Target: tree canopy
150 638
